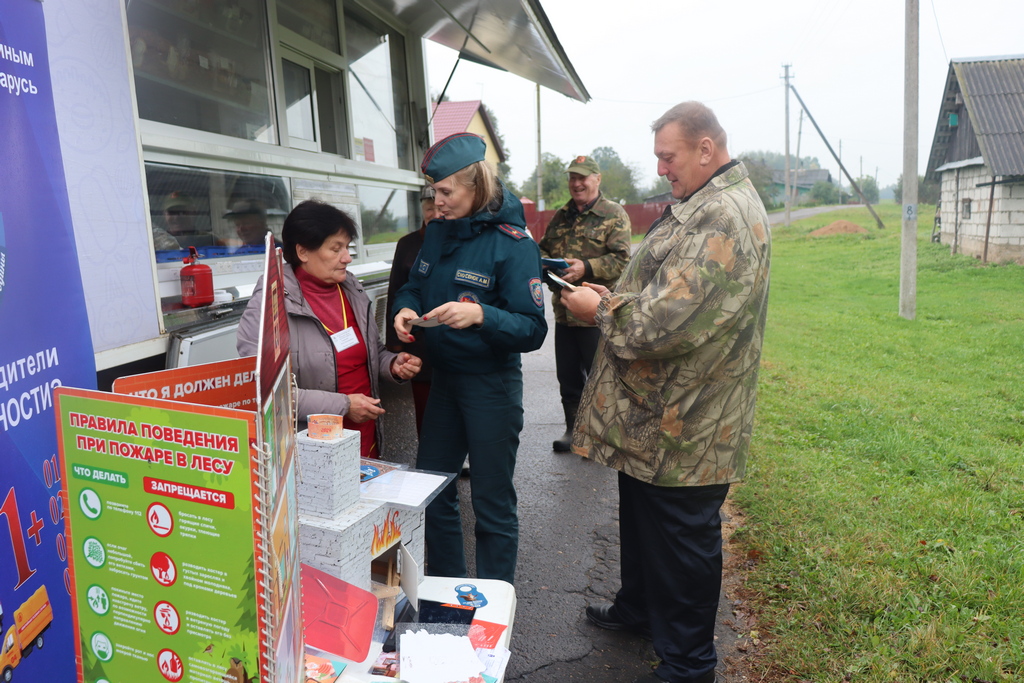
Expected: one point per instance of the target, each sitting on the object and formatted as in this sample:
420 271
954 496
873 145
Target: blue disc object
470 596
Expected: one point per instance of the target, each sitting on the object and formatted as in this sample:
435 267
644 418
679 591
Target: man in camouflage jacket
670 402
593 235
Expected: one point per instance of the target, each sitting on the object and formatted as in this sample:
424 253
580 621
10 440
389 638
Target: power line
939 31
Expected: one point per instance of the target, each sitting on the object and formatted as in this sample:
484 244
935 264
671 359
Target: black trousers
671 540
574 354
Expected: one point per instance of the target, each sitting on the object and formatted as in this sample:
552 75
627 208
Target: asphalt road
568 541
568 544
779 217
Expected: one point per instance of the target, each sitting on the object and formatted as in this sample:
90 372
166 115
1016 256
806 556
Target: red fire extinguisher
196 281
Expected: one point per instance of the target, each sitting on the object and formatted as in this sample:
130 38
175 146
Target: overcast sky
638 58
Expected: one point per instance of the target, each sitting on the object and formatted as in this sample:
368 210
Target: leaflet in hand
420 322
559 281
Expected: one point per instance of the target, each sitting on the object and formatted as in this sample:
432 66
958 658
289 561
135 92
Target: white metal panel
514 35
204 347
95 104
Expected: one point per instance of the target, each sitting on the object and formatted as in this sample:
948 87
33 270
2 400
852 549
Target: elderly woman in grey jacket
336 350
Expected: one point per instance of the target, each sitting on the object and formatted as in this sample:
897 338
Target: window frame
165 143
287 139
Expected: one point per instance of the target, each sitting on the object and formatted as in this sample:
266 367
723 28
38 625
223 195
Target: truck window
203 65
378 86
221 214
387 214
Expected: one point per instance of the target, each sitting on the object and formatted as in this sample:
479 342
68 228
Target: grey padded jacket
313 359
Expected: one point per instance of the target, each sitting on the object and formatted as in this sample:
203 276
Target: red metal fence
640 216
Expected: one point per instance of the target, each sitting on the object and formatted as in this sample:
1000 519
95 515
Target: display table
500 609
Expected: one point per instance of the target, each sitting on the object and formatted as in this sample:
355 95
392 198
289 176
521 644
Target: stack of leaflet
438 658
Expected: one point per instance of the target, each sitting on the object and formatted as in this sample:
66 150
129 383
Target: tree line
620 181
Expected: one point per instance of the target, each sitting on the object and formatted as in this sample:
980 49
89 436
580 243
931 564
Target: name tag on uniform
345 339
471 277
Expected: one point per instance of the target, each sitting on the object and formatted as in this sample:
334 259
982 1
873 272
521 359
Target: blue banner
44 343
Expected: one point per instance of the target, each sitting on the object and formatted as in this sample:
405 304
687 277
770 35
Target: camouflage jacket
601 236
670 400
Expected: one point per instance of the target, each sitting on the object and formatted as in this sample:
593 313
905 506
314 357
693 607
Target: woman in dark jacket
337 355
478 279
407 250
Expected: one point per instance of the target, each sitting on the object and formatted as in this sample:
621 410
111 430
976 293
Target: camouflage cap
177 199
583 166
452 154
427 193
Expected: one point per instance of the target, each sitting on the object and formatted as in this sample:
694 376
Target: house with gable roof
467 117
977 155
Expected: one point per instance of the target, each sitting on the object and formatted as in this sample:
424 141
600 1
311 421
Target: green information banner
161 537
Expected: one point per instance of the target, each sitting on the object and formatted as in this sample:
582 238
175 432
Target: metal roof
454 117
991 93
965 163
511 35
804 177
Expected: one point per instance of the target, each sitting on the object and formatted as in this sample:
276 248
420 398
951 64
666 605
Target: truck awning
512 35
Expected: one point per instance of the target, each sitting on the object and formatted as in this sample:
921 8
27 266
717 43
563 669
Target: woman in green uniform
477 279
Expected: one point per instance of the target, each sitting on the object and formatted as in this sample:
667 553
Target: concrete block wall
1006 233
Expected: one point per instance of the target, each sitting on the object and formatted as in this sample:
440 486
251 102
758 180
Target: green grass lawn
885 494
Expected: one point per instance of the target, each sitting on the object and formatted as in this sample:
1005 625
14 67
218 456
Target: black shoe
604 617
563 444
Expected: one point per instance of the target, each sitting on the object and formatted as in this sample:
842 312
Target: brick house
977 155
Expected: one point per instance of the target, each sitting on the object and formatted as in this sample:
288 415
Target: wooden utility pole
796 175
540 163
786 187
839 158
908 242
842 168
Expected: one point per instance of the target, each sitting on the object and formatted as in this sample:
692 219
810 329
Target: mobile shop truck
191 123
30 620
186 124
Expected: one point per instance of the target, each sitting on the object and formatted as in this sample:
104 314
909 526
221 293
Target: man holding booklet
587 239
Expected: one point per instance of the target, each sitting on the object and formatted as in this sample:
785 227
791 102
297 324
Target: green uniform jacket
601 236
489 259
670 400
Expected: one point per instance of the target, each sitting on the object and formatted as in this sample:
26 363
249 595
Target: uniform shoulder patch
537 292
511 231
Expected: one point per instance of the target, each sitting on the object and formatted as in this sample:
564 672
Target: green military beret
583 166
452 154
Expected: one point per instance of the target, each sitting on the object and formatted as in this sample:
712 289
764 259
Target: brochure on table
182 521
